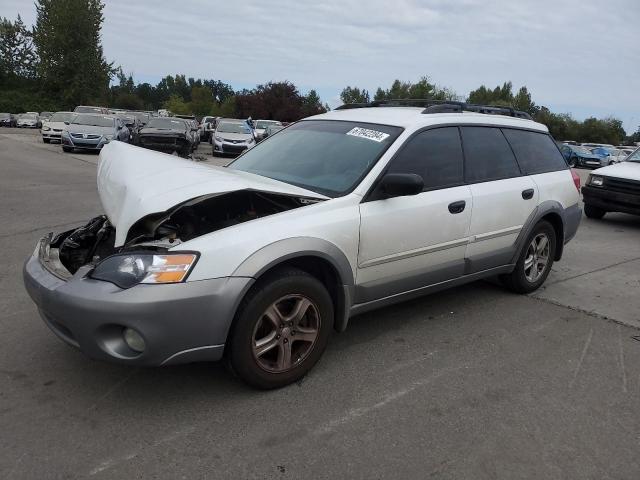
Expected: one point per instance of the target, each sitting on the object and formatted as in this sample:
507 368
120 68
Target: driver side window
435 155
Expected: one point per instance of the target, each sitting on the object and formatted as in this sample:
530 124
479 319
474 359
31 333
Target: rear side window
536 152
488 155
435 155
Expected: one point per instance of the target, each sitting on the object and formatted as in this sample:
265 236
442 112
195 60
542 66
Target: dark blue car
579 156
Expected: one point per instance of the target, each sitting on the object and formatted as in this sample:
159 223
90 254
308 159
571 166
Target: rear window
487 155
536 152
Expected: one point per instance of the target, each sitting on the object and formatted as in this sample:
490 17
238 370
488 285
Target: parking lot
474 382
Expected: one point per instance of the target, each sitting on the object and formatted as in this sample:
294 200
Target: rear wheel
281 329
594 212
535 261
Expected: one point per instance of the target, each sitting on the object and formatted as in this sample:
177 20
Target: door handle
457 207
528 193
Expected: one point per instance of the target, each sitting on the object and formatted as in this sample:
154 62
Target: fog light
134 340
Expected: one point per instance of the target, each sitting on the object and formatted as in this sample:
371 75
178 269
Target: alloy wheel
285 333
537 258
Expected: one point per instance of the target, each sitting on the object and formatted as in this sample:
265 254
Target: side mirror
401 184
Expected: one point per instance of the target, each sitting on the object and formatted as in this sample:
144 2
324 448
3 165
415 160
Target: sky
575 56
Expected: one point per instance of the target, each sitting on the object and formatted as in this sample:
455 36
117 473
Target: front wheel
535 261
593 212
67 149
46 140
281 329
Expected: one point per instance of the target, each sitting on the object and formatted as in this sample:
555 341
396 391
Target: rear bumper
611 201
180 323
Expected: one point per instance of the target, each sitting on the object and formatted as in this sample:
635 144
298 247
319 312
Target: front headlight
251 140
128 270
108 138
46 129
218 139
596 180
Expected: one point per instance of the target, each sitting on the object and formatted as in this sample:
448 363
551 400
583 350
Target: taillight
576 179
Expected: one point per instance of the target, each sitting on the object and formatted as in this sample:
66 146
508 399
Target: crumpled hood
627 170
134 182
162 132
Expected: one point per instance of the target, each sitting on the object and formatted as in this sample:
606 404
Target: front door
412 241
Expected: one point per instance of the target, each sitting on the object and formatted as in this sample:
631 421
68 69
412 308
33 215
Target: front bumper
160 144
611 201
88 144
180 323
51 135
590 162
225 148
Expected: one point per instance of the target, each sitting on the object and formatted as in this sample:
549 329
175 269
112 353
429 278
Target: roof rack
440 106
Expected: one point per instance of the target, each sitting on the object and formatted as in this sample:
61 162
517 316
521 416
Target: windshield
166 123
88 110
143 117
28 115
329 157
233 127
61 117
93 120
634 157
265 123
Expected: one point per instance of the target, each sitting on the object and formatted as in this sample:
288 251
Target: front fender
278 252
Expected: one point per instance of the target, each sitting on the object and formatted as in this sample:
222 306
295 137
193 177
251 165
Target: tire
67 149
266 314
524 279
46 140
593 212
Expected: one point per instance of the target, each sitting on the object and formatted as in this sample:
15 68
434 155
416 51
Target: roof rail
440 106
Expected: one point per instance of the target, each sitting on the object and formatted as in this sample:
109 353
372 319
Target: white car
615 188
336 215
28 120
232 137
261 126
207 126
52 128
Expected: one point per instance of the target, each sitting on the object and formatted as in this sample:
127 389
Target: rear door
539 158
412 241
503 197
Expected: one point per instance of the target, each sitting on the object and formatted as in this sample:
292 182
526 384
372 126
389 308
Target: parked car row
614 188
594 155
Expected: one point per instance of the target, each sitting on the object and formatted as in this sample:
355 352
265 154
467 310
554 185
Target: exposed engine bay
160 231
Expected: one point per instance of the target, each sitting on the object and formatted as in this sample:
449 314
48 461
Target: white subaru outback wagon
336 215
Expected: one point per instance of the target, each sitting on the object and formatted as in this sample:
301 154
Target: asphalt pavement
472 383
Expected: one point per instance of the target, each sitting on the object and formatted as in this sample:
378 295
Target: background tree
354 95
17 53
312 105
72 66
201 101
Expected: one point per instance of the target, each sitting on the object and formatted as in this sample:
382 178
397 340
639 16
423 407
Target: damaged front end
64 254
